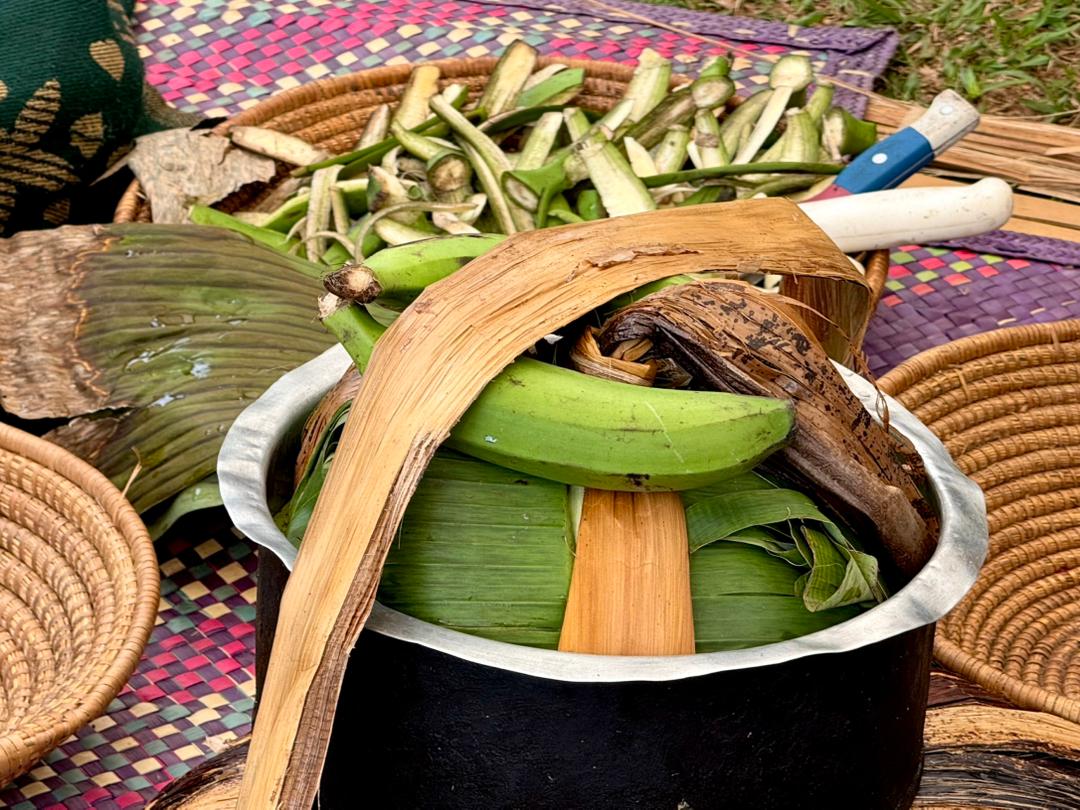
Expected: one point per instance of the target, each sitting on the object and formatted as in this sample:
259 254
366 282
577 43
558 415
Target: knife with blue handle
890 162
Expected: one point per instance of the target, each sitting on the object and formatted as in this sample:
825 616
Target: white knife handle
949 118
912 216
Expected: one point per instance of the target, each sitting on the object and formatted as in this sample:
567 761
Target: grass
1019 58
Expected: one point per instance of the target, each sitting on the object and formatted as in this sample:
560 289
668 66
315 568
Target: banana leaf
839 572
743 597
150 339
487 551
206 494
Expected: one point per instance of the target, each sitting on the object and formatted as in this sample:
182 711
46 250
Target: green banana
549 421
401 272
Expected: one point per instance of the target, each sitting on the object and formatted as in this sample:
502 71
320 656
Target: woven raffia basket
1007 405
78 596
330 113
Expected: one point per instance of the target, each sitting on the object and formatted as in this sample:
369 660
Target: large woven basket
78 596
331 113
1007 405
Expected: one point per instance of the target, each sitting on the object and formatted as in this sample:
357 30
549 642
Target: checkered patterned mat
193 690
192 693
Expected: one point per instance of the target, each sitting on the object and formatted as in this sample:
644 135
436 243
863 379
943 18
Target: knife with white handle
912 216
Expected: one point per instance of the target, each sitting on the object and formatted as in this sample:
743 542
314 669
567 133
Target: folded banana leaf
150 339
754 511
488 551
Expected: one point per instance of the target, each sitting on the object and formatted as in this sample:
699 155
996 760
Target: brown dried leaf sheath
453 339
731 337
153 337
180 167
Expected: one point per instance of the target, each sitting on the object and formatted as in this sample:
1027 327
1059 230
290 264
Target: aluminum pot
434 718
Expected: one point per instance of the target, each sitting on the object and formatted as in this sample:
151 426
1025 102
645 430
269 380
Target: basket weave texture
1007 405
78 596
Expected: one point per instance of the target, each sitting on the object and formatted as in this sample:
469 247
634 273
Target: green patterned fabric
71 99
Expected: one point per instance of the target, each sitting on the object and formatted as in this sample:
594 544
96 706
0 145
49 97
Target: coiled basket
78 596
1007 406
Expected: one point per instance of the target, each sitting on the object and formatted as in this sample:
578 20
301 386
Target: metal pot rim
244 462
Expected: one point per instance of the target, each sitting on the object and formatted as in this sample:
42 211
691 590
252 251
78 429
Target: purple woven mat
218 57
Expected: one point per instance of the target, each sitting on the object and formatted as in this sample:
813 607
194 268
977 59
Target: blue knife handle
888 163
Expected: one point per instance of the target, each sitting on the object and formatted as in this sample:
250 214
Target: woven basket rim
924 366
115 508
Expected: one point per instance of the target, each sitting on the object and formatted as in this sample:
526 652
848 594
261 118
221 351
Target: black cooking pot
433 718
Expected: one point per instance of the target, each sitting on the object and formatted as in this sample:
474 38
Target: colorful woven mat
192 693
221 56
193 690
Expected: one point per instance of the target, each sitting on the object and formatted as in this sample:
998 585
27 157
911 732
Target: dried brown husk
150 339
731 337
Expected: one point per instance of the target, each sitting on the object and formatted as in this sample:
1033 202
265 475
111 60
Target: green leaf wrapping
153 337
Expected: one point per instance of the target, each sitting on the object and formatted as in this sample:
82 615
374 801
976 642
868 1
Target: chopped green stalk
710 194
615 117
540 141
338 253
477 203
319 209
790 74
694 155
589 205
422 146
649 85
820 102
556 89
486 148
731 128
515 119
670 154
675 108
256 218
718 67
355 193
844 134
354 328
710 92
576 122
560 211
537 187
736 169
620 189
289 213
340 210
277 145
509 76
542 75
490 164
204 215
413 107
450 175
376 127
452 224
786 184
489 182
358 160
398 233
798 144
640 160
398 274
385 190
708 140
